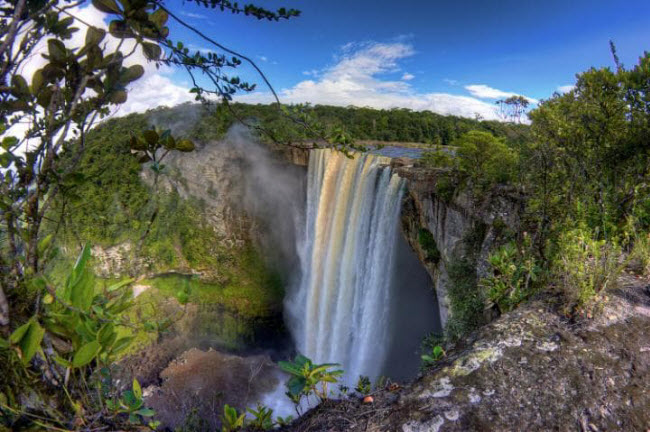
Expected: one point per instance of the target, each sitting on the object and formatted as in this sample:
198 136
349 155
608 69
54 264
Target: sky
453 57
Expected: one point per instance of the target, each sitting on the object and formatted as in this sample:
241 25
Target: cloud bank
358 78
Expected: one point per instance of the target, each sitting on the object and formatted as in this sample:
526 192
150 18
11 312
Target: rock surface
451 223
206 380
531 369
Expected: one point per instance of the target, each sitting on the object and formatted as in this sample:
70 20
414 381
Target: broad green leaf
63 362
85 354
151 50
8 142
121 344
31 341
94 35
132 73
56 50
19 86
107 6
105 334
146 412
159 17
151 136
118 97
4 344
20 332
137 390
120 29
185 145
119 285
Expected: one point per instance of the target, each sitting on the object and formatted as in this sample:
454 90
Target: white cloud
407 76
355 80
565 88
313 72
192 15
263 58
486 92
452 82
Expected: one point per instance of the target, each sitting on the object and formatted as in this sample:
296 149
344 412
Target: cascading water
342 310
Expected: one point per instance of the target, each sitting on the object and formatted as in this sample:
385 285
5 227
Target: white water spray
341 311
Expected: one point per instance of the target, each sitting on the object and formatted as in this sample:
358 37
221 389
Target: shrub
513 274
584 265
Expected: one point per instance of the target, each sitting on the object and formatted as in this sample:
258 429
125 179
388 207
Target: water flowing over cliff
342 310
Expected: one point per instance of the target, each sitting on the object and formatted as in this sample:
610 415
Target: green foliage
131 404
363 386
436 354
585 266
262 418
429 246
231 419
79 332
484 159
307 376
513 275
466 300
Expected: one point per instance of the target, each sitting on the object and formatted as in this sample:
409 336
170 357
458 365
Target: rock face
531 369
460 226
203 381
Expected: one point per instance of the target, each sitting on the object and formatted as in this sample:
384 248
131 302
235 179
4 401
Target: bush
584 266
512 278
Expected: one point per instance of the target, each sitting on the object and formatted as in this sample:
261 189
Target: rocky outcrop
197 382
531 369
460 225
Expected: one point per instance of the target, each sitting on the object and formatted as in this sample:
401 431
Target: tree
513 108
78 85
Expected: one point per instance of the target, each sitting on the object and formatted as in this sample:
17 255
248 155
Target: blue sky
453 57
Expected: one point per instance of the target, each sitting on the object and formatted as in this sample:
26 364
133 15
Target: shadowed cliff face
461 227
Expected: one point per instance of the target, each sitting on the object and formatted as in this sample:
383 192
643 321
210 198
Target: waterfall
341 311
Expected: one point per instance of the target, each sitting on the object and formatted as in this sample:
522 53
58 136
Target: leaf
79 289
137 389
31 341
146 412
106 335
119 285
151 136
4 344
18 334
94 35
86 354
19 86
121 344
45 243
8 142
118 97
185 145
151 50
57 50
132 73
107 6
159 17
120 29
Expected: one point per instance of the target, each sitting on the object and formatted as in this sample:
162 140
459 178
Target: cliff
531 369
448 228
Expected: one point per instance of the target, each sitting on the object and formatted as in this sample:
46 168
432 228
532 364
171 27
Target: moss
429 246
466 299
